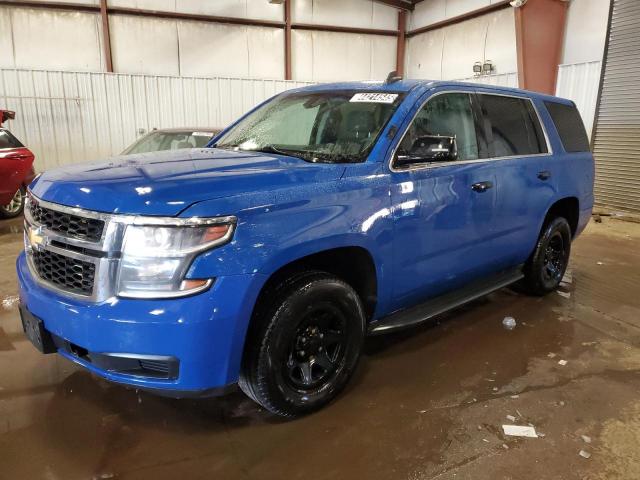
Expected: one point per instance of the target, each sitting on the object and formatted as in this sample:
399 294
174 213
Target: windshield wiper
301 154
307 156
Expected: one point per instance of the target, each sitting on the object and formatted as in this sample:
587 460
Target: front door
444 210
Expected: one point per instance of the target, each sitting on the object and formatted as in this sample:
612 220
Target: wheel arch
354 264
567 207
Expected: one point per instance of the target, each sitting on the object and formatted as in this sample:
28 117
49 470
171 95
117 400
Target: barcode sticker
374 97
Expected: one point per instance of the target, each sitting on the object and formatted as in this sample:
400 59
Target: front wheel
15 206
305 346
545 269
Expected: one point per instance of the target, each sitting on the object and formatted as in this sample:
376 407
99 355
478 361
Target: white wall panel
463 46
351 13
191 48
459 7
501 41
266 52
580 82
233 8
144 45
37 38
384 17
201 52
383 57
424 55
7 58
426 13
432 11
254 9
586 31
328 56
160 5
450 52
69 117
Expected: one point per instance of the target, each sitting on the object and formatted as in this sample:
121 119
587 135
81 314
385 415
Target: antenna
393 77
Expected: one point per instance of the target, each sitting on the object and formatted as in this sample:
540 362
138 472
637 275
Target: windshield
157 141
337 126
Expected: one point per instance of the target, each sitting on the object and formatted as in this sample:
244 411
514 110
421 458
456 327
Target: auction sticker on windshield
374 97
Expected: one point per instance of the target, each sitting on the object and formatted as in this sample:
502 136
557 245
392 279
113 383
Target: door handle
481 186
544 175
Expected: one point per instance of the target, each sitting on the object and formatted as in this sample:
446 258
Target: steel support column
540 26
106 37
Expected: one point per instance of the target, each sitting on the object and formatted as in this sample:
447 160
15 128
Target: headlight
156 258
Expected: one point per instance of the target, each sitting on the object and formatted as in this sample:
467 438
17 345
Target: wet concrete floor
426 403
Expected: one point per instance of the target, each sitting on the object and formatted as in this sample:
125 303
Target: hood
165 183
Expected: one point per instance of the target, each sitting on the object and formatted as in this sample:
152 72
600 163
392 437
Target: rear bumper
203 334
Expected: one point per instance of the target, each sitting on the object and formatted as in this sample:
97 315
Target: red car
16 170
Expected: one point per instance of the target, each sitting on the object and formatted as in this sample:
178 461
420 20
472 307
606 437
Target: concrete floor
427 403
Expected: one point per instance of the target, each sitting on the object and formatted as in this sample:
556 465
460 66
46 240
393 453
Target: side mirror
6 115
430 148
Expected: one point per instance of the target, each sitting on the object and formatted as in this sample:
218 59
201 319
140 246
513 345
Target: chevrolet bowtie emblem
36 238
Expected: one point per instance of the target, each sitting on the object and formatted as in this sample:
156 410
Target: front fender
277 228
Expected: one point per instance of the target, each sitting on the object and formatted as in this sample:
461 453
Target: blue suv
325 214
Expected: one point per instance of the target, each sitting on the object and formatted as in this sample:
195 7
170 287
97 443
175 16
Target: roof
369 85
405 85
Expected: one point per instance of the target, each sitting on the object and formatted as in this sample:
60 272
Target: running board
448 301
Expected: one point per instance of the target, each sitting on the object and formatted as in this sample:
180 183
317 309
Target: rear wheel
546 267
15 206
305 346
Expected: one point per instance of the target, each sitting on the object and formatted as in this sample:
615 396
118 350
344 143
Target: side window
569 126
8 141
514 124
448 114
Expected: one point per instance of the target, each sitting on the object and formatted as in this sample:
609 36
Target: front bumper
204 333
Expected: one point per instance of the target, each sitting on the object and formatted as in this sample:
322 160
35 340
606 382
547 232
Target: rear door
521 153
15 163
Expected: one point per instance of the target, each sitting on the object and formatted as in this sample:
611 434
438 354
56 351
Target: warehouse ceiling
404 4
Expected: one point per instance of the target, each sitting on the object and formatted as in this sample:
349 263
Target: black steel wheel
317 348
546 266
304 345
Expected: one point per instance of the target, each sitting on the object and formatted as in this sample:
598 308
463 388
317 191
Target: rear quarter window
569 125
8 141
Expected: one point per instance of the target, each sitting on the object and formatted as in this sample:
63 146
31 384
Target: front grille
67 273
67 224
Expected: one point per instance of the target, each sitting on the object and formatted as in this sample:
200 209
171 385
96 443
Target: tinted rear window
514 125
569 125
8 141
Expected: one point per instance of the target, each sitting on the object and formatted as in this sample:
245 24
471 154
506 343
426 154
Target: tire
15 207
304 345
546 266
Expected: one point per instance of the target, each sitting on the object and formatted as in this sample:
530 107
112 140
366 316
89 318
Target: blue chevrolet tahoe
325 214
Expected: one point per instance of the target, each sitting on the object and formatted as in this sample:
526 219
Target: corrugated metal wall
69 117
617 131
579 82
